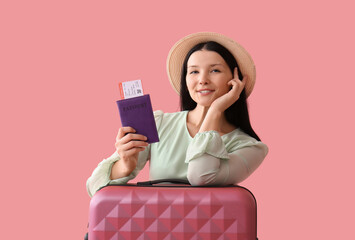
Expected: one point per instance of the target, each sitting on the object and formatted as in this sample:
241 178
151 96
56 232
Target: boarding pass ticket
130 89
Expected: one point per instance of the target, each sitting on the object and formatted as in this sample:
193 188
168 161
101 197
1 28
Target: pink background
61 61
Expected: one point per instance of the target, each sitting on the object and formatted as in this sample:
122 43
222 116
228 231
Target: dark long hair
237 114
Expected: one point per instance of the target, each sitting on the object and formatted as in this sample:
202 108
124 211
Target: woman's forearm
210 170
212 121
207 170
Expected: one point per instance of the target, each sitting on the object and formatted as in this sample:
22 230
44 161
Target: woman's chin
204 101
205 104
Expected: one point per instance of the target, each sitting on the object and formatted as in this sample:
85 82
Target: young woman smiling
210 141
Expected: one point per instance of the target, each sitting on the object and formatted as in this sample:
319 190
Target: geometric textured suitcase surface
131 212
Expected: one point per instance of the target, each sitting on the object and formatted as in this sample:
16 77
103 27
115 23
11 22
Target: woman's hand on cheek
225 101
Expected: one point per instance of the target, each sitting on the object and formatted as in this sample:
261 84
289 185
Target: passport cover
137 113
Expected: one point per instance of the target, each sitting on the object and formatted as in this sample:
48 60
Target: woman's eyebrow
192 66
217 64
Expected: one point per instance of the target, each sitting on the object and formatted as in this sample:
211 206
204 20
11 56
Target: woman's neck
196 116
201 119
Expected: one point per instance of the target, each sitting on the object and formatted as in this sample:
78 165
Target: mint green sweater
205 159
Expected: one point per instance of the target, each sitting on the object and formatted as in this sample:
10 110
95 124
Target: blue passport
137 112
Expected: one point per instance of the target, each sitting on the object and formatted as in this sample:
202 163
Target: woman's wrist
212 121
119 170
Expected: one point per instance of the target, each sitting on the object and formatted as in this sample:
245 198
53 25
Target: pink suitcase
170 211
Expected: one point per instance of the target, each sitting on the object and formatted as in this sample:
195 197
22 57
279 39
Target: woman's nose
203 78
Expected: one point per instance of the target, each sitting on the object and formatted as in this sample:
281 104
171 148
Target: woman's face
207 77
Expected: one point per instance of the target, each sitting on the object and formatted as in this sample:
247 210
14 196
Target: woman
211 141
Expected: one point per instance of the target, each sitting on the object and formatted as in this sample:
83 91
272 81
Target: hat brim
179 51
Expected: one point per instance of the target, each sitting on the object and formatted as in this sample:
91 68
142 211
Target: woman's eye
215 70
193 72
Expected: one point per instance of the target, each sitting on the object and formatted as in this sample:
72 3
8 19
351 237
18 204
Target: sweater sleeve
210 163
101 175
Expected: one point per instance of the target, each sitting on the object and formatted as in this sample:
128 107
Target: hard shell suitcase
172 211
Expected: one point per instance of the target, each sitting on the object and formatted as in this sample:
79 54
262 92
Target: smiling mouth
205 92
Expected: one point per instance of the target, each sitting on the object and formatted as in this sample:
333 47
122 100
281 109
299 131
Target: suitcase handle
174 181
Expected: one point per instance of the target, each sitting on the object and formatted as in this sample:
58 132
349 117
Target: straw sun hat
179 51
